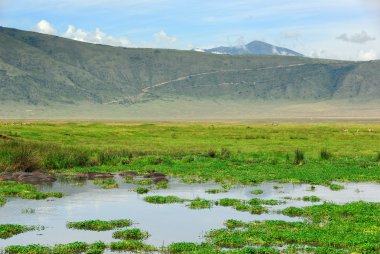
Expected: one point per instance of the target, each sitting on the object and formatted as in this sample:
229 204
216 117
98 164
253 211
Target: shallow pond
166 223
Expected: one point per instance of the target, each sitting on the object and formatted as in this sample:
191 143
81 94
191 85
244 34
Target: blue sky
339 29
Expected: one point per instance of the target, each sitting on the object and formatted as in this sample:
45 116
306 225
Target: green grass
29 249
255 250
163 199
23 190
9 230
336 187
311 198
162 185
143 182
189 180
142 190
216 191
200 204
257 201
229 202
130 234
299 157
353 227
106 147
187 247
68 248
257 192
3 201
106 183
99 225
131 245
325 154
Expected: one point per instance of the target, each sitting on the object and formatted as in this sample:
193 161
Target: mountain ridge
254 48
46 71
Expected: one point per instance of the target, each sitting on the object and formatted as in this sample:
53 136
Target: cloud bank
97 37
161 38
360 38
164 39
45 27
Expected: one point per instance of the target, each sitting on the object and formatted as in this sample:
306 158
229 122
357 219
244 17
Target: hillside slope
47 71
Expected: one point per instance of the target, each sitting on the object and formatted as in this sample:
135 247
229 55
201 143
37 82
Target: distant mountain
254 48
49 76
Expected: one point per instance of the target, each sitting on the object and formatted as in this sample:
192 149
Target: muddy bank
35 177
40 177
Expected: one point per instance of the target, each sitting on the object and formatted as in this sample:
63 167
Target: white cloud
361 37
165 40
367 55
45 27
162 39
97 37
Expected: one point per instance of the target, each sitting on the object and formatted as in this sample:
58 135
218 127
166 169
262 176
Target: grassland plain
245 153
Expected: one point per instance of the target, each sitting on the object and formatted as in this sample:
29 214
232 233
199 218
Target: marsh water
165 223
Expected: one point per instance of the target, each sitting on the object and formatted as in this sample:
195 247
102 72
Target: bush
25 159
225 153
325 155
298 157
211 153
142 190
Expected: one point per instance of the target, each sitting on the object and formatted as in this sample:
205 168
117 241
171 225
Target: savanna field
267 161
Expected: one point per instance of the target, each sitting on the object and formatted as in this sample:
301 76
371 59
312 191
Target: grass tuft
200 204
131 245
142 190
257 192
336 187
299 157
99 225
163 199
9 230
325 154
131 234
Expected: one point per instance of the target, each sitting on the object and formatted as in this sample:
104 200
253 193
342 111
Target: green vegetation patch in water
106 183
200 204
131 245
353 227
142 190
229 202
9 230
163 199
192 180
216 191
143 182
255 250
24 190
131 234
336 187
68 248
257 192
162 185
311 199
3 201
257 201
99 225
187 247
28 249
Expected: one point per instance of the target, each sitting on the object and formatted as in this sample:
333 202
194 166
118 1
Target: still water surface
166 223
